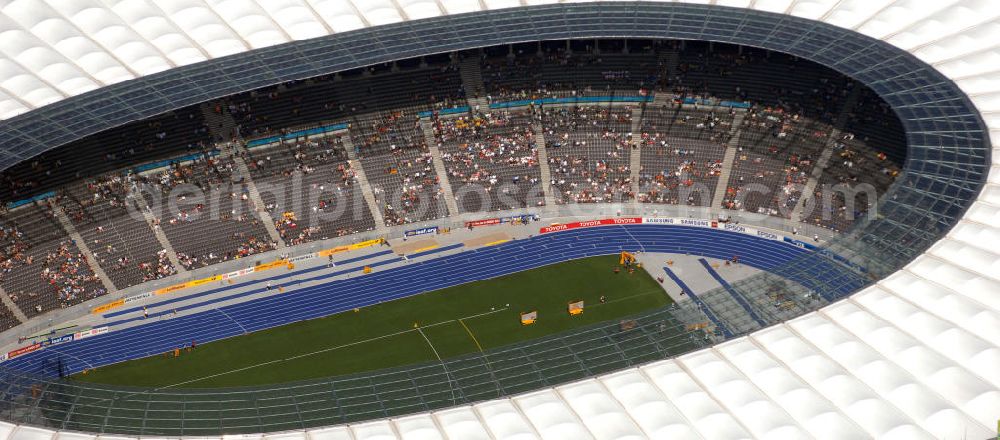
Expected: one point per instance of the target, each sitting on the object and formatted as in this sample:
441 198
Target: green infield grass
444 323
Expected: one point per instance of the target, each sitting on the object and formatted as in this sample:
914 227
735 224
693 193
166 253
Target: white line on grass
299 356
275 361
262 364
626 297
443 366
429 343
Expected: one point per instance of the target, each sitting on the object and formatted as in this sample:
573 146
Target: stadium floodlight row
914 356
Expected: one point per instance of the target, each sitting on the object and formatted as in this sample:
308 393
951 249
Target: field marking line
231 319
464 317
480 347
644 293
641 246
274 361
299 356
485 313
290 358
424 335
443 365
62 353
262 364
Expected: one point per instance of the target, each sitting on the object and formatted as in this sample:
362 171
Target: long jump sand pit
488 239
410 247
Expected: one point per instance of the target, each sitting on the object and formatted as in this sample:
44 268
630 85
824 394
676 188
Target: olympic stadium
415 219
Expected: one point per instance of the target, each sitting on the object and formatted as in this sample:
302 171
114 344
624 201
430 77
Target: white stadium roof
914 356
54 49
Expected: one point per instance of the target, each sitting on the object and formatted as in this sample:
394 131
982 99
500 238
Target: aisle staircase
472 80
727 161
366 188
161 237
221 126
439 168
543 166
824 157
82 245
635 155
14 309
232 150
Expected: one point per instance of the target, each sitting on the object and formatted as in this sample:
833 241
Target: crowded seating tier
310 190
204 209
109 221
682 154
589 150
794 106
398 165
492 160
42 268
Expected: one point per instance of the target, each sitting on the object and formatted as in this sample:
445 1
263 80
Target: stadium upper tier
813 129
661 123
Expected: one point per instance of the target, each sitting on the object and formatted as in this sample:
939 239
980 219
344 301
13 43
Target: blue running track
701 304
732 292
245 283
422 276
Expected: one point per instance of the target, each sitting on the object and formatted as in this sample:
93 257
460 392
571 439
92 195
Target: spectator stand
747 74
41 268
782 132
427 123
491 159
10 315
775 155
397 164
588 152
683 149
309 187
600 73
853 165
205 211
168 135
432 82
570 69
103 212
508 78
864 153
